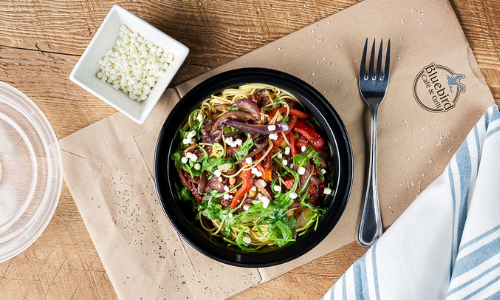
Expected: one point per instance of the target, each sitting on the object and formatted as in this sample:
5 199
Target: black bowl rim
348 172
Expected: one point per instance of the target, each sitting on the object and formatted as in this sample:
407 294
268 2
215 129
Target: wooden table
42 40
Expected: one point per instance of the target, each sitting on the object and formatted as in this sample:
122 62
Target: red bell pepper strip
192 146
310 134
291 139
292 123
291 111
267 174
289 183
276 143
301 141
266 163
247 185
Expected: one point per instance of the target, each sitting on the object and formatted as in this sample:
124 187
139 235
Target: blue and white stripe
447 243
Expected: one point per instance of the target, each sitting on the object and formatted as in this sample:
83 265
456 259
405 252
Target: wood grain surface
40 42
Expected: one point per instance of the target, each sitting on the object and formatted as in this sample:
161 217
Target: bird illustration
454 80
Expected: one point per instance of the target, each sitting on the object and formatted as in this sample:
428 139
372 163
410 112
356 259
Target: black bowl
180 213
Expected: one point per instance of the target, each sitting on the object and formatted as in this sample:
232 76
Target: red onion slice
202 183
262 189
248 106
283 127
260 145
232 114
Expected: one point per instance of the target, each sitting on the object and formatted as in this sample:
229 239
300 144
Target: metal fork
372 87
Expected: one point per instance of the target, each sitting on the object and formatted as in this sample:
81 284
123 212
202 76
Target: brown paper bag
436 94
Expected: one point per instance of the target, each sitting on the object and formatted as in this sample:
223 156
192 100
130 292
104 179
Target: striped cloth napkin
446 245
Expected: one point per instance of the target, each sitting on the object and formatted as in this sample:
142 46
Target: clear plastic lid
30 172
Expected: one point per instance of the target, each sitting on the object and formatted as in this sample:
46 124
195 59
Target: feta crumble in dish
133 64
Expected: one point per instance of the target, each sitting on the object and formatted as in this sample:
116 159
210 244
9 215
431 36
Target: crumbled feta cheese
287 150
192 156
220 179
303 148
265 201
280 156
197 166
293 196
302 170
217 173
226 188
193 133
245 207
133 64
327 191
291 165
271 127
238 142
277 188
254 171
248 160
188 141
247 240
273 136
227 197
258 174
230 215
285 162
232 143
323 171
184 160
254 188
199 117
262 182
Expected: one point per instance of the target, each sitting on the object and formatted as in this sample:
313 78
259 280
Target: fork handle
370 224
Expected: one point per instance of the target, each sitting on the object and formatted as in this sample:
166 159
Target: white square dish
84 72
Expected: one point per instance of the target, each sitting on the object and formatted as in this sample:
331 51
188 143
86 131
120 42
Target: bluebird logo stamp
437 88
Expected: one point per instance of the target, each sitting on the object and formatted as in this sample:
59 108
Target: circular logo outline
417 98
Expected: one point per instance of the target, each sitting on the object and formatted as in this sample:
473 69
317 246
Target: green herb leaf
213 210
295 175
231 108
186 194
176 157
243 150
211 164
303 159
229 129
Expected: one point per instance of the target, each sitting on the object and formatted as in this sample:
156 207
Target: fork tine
372 61
379 60
362 68
387 61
